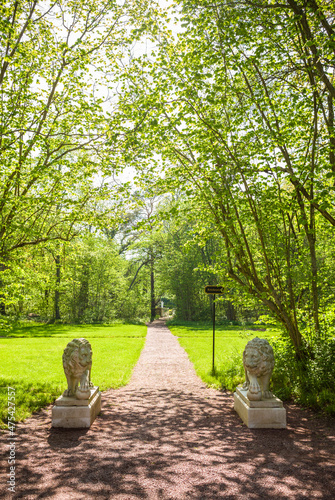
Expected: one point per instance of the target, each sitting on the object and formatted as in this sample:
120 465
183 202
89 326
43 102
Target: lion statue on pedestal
77 363
258 362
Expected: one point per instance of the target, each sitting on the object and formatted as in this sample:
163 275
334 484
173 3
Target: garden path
167 436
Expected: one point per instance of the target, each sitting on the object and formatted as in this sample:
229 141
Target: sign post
213 360
213 290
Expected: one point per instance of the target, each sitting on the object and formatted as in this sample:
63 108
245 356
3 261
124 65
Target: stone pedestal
76 413
265 414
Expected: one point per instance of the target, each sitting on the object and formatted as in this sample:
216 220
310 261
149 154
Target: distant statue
77 363
258 362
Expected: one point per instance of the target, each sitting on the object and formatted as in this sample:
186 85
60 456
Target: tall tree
239 109
148 243
54 135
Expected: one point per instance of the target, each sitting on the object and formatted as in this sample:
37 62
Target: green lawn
197 340
31 361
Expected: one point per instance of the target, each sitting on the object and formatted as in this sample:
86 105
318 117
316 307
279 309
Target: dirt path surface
165 436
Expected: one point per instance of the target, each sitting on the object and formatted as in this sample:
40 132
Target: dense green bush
310 382
231 374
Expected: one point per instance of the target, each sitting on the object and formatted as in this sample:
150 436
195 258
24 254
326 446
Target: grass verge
31 361
310 384
230 341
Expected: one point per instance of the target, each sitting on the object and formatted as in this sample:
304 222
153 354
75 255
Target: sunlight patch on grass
32 363
230 341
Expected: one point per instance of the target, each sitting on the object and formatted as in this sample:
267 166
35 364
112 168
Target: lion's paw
254 396
254 388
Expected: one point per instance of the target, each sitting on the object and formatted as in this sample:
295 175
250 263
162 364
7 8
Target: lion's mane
77 357
265 362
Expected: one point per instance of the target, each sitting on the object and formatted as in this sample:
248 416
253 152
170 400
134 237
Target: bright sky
128 174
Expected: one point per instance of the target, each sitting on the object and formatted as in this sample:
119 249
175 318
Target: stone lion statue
77 363
258 362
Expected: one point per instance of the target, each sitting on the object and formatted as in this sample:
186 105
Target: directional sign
213 289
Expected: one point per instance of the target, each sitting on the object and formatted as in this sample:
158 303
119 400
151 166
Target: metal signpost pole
212 290
213 363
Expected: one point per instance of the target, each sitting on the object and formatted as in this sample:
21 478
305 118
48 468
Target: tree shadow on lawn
219 326
73 330
44 330
168 444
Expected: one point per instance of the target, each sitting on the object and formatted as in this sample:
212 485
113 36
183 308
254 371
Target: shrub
310 383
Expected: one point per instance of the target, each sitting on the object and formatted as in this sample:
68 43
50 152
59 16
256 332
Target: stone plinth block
265 414
72 413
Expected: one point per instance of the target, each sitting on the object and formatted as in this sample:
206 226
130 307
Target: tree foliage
57 118
240 108
57 114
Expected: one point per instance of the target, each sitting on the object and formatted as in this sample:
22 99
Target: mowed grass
230 341
31 361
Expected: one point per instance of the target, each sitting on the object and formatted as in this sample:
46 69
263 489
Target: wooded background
224 111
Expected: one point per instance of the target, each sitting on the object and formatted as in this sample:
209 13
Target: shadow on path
157 439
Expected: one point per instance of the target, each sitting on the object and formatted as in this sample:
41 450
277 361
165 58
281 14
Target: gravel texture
166 436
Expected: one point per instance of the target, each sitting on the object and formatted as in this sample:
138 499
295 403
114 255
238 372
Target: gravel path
166 436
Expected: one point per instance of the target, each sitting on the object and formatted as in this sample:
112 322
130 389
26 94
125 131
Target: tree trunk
83 292
331 133
2 296
290 323
152 289
314 267
231 313
58 280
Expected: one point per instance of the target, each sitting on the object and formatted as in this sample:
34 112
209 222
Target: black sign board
213 289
